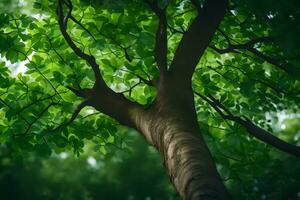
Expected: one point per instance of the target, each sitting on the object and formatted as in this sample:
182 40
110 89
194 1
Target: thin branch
174 30
74 115
183 13
245 46
249 46
225 36
252 129
83 27
132 87
266 83
269 59
52 47
148 82
37 118
17 113
39 71
35 102
125 49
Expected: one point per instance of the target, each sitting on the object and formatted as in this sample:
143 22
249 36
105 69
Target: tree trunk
171 126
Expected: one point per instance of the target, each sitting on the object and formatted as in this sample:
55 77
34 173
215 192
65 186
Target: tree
173 70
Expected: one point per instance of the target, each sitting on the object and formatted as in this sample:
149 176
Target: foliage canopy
251 68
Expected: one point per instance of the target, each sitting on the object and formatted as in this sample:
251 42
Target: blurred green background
132 173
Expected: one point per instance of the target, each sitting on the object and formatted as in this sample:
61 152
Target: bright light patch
89 111
16 68
91 161
267 73
233 12
270 16
282 126
20 68
22 3
63 155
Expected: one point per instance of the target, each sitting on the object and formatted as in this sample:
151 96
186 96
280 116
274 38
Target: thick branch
252 129
197 38
101 97
161 41
267 137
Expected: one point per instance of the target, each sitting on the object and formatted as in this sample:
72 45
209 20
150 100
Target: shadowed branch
197 38
161 41
249 46
252 129
63 20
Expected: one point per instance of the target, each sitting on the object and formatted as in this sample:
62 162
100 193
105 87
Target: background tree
115 176
140 63
90 176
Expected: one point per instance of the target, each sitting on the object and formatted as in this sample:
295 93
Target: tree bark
170 125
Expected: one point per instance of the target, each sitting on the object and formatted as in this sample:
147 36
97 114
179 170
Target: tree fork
170 124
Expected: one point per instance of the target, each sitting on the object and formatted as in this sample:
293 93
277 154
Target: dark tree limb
101 97
161 41
197 38
197 4
84 93
174 30
283 66
245 46
63 20
252 129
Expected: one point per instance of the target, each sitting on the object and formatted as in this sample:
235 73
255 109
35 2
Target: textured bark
171 126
